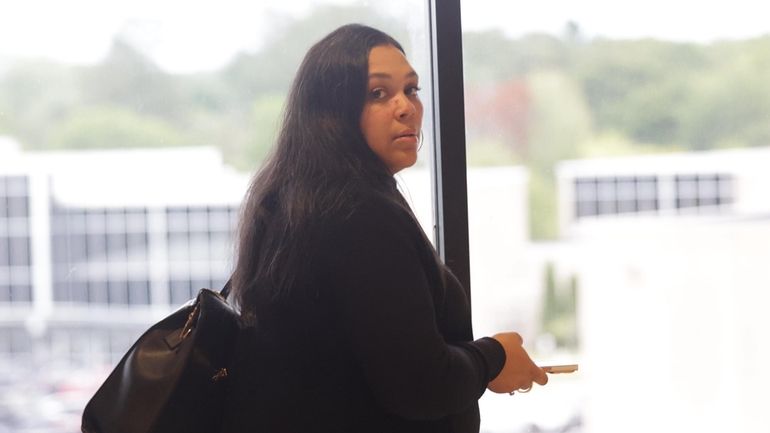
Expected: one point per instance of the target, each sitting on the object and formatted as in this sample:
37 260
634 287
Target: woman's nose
404 107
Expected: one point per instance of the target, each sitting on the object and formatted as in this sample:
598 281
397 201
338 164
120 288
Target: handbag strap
226 289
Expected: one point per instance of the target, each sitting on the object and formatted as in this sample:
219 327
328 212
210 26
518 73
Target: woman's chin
405 162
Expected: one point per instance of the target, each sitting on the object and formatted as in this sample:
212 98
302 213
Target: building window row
698 191
15 293
100 291
182 290
14 341
100 247
616 195
15 242
201 219
70 220
102 256
15 251
90 347
199 244
14 186
14 207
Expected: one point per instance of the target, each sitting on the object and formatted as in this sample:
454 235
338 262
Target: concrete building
671 254
95 245
505 277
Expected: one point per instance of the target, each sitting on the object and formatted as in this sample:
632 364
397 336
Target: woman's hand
519 371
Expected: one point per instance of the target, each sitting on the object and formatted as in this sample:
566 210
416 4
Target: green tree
499 116
559 309
272 67
561 123
34 95
113 127
731 107
638 86
257 135
267 115
491 57
128 78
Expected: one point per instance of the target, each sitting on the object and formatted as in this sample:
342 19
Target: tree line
533 100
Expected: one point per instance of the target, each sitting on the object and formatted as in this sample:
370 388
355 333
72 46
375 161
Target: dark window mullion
450 180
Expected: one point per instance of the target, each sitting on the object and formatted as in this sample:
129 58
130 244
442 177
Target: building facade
671 254
94 246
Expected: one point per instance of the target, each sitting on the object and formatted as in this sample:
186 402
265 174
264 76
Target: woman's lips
407 136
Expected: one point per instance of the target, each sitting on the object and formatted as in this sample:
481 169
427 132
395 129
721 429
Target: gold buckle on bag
188 326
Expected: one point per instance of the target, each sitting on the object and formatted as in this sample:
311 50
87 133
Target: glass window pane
198 220
139 292
18 226
76 221
59 249
21 293
178 246
96 247
137 246
219 220
16 186
136 221
180 291
646 188
118 292
199 246
658 113
79 290
116 246
19 251
61 290
4 251
586 190
95 221
97 292
116 221
187 117
17 207
19 276
220 246
78 248
177 220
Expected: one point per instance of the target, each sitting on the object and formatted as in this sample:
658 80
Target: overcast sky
188 35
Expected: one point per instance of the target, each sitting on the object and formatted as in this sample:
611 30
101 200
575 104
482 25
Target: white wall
673 323
504 277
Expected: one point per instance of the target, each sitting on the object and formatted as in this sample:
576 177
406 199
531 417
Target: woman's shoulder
365 213
373 207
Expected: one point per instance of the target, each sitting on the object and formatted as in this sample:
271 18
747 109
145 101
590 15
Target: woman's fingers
519 373
540 377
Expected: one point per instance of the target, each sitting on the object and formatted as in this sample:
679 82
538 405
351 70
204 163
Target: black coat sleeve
386 309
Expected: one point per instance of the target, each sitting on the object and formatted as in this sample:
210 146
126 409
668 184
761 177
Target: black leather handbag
174 378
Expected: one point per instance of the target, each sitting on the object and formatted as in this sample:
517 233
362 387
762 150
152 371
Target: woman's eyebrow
387 76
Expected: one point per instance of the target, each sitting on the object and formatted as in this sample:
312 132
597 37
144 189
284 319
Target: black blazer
379 340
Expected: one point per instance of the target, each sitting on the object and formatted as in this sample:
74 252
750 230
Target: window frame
449 172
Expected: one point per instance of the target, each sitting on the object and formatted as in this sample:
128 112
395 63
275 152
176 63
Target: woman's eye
412 90
378 93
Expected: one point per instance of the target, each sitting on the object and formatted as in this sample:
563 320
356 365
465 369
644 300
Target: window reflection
121 175
641 145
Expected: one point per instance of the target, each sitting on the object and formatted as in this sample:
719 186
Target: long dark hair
319 160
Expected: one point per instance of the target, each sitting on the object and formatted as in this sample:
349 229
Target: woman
360 326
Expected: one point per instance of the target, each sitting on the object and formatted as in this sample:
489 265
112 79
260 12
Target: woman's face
392 116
